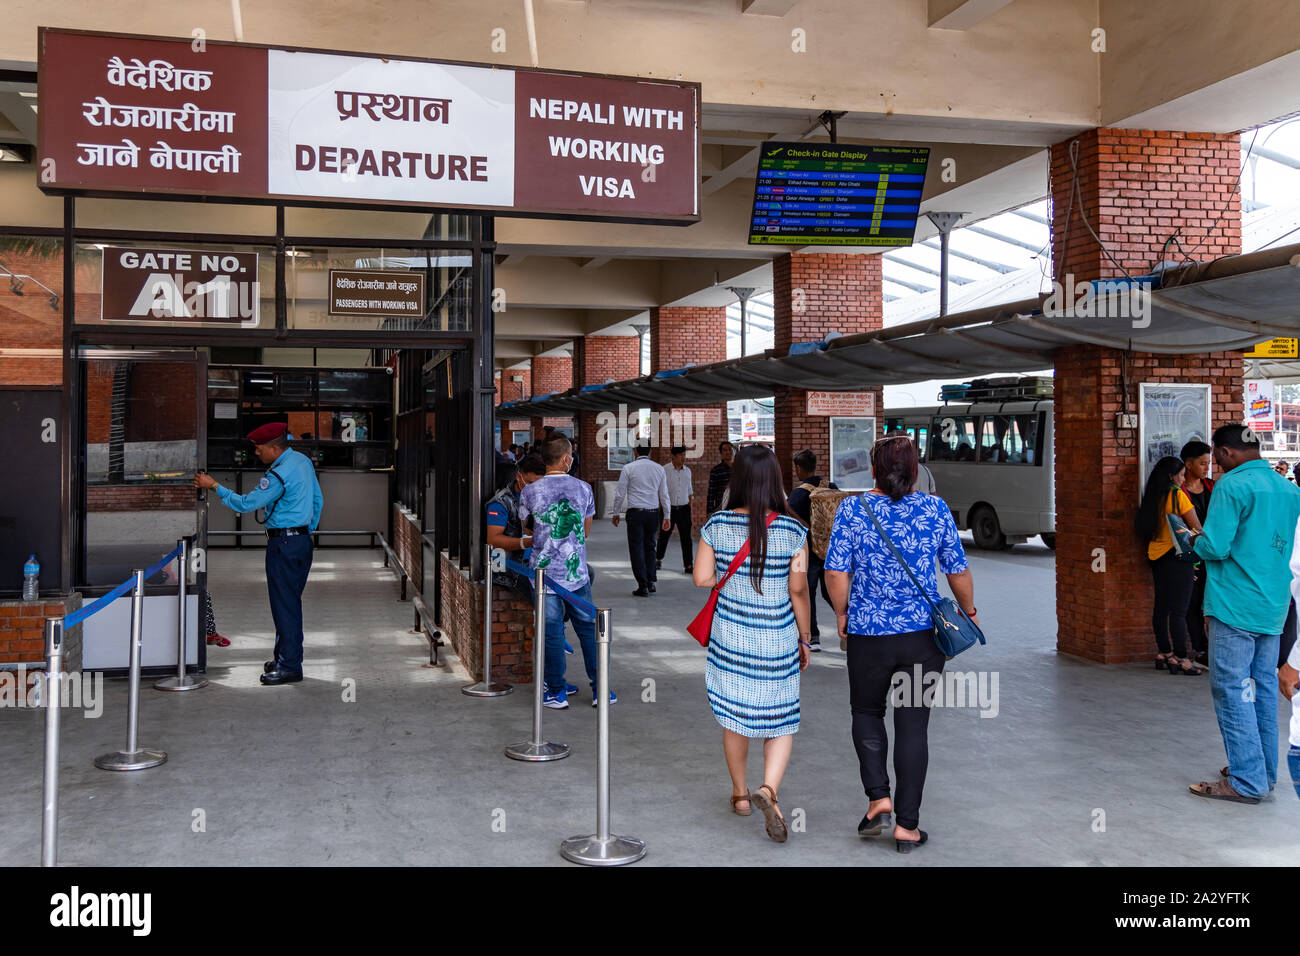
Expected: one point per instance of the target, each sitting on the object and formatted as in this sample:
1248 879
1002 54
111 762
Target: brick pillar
551 373
680 335
599 359
1138 188
816 294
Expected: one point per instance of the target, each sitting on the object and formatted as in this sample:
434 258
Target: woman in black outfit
1173 576
886 621
1197 485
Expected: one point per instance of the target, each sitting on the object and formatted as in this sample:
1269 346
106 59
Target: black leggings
1173 580
873 661
1195 615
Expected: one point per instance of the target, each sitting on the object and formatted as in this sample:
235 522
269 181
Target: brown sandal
736 798
1221 790
774 822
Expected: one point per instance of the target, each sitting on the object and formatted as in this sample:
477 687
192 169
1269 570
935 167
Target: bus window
1011 439
953 439
921 434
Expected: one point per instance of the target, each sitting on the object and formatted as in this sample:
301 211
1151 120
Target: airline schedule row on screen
831 194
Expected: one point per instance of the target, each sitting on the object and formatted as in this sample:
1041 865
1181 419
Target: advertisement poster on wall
1259 405
1169 417
851 441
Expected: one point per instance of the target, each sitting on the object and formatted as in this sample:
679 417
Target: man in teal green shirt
1246 545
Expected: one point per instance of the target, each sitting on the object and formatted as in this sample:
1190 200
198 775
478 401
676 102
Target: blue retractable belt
568 596
79 615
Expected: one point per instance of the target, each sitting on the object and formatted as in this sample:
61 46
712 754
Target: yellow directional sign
1275 348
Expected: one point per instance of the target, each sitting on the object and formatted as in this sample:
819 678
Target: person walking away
1247 545
887 624
800 504
292 498
719 476
1171 575
643 485
678 477
758 646
561 508
1197 485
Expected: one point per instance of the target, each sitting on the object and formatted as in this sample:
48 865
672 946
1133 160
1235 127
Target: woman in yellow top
1173 576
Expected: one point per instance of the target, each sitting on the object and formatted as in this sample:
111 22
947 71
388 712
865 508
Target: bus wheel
1049 539
987 530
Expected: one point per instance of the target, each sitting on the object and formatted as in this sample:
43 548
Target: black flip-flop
873 826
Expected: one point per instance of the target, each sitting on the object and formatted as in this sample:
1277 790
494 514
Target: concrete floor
413 773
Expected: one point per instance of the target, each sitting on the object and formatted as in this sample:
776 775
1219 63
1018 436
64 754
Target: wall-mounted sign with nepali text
150 116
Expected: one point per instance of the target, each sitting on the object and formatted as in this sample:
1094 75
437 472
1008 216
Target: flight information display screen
833 194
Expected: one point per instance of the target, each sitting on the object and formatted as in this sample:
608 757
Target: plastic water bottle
31 575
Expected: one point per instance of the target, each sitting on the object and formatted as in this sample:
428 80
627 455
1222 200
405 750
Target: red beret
266 433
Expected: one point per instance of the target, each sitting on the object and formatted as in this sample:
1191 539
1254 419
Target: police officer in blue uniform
291 496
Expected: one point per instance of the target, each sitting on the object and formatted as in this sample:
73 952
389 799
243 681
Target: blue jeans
584 625
1243 681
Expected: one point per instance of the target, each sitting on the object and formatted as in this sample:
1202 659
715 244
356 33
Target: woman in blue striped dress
759 642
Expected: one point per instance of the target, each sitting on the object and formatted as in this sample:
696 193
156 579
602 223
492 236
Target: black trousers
873 662
681 522
642 532
1173 581
816 581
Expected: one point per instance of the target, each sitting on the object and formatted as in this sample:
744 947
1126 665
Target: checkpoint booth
225 203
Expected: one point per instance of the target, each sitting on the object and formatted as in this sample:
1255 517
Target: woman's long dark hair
1151 511
756 484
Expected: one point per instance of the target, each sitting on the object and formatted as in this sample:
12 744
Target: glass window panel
952 439
344 386
447 288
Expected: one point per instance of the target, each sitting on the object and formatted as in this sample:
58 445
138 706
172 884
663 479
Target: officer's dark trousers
288 559
681 517
642 533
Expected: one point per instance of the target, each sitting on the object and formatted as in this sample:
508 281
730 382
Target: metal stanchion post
538 749
602 848
134 757
485 687
52 701
182 680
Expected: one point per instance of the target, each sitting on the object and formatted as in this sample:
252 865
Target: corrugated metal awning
1226 304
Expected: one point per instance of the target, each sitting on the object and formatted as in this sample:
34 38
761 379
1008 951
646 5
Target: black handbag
954 632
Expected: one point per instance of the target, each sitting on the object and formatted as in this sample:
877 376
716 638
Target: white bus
992 463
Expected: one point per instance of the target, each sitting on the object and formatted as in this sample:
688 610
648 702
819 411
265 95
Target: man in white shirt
679 497
643 485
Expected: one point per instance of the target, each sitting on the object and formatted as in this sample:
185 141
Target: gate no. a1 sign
179 285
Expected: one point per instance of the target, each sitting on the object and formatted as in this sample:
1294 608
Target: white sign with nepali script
850 404
389 129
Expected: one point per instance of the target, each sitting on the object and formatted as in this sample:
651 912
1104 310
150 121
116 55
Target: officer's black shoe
278 676
650 588
268 667
640 592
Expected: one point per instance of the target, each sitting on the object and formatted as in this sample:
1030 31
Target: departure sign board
832 194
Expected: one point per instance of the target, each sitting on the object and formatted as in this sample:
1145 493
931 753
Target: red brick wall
99 402
813 295
28 322
509 391
1138 187
680 335
552 373
408 545
161 402
462 624
22 631
601 358
144 497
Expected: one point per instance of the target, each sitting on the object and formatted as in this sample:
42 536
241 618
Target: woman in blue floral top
886 621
